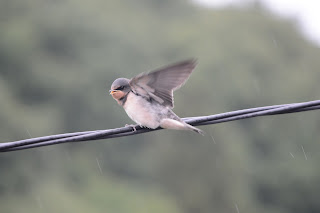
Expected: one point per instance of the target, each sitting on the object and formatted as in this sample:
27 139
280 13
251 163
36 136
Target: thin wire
127 131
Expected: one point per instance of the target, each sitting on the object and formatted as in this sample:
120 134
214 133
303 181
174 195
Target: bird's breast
142 111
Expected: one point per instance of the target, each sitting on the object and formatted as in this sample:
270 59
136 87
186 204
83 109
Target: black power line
127 131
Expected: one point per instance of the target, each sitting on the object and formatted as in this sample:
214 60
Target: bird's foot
132 126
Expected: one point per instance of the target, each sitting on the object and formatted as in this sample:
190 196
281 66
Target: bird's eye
121 88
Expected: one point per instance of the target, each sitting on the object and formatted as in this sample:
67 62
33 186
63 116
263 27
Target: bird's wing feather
160 84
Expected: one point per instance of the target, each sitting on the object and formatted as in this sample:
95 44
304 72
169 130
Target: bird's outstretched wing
160 84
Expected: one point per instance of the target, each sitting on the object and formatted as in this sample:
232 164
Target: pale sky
306 12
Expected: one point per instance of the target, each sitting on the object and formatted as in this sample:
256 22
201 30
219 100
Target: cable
127 131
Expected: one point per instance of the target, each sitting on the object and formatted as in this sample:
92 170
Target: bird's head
119 88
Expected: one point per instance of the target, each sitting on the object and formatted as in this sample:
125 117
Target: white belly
140 111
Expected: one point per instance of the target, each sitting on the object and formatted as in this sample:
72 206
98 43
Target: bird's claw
132 126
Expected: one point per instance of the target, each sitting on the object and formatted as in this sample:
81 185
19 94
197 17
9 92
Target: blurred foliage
58 60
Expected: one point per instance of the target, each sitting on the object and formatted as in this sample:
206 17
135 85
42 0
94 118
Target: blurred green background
58 60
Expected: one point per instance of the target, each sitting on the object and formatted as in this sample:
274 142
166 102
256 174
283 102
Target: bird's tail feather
195 129
169 123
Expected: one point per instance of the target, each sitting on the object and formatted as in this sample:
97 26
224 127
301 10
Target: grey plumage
160 84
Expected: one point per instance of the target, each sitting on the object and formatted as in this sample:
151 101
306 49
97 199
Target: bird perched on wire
148 97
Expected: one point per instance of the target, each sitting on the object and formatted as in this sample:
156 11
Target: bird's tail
180 125
194 129
169 123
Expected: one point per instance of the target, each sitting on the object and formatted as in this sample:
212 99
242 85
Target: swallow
148 97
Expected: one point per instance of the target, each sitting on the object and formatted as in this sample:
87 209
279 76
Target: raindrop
39 202
275 43
28 132
214 141
291 155
99 165
237 208
305 156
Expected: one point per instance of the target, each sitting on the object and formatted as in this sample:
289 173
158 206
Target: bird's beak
112 91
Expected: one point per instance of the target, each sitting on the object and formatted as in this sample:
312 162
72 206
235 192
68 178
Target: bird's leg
132 126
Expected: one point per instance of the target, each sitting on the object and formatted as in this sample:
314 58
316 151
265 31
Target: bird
148 97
